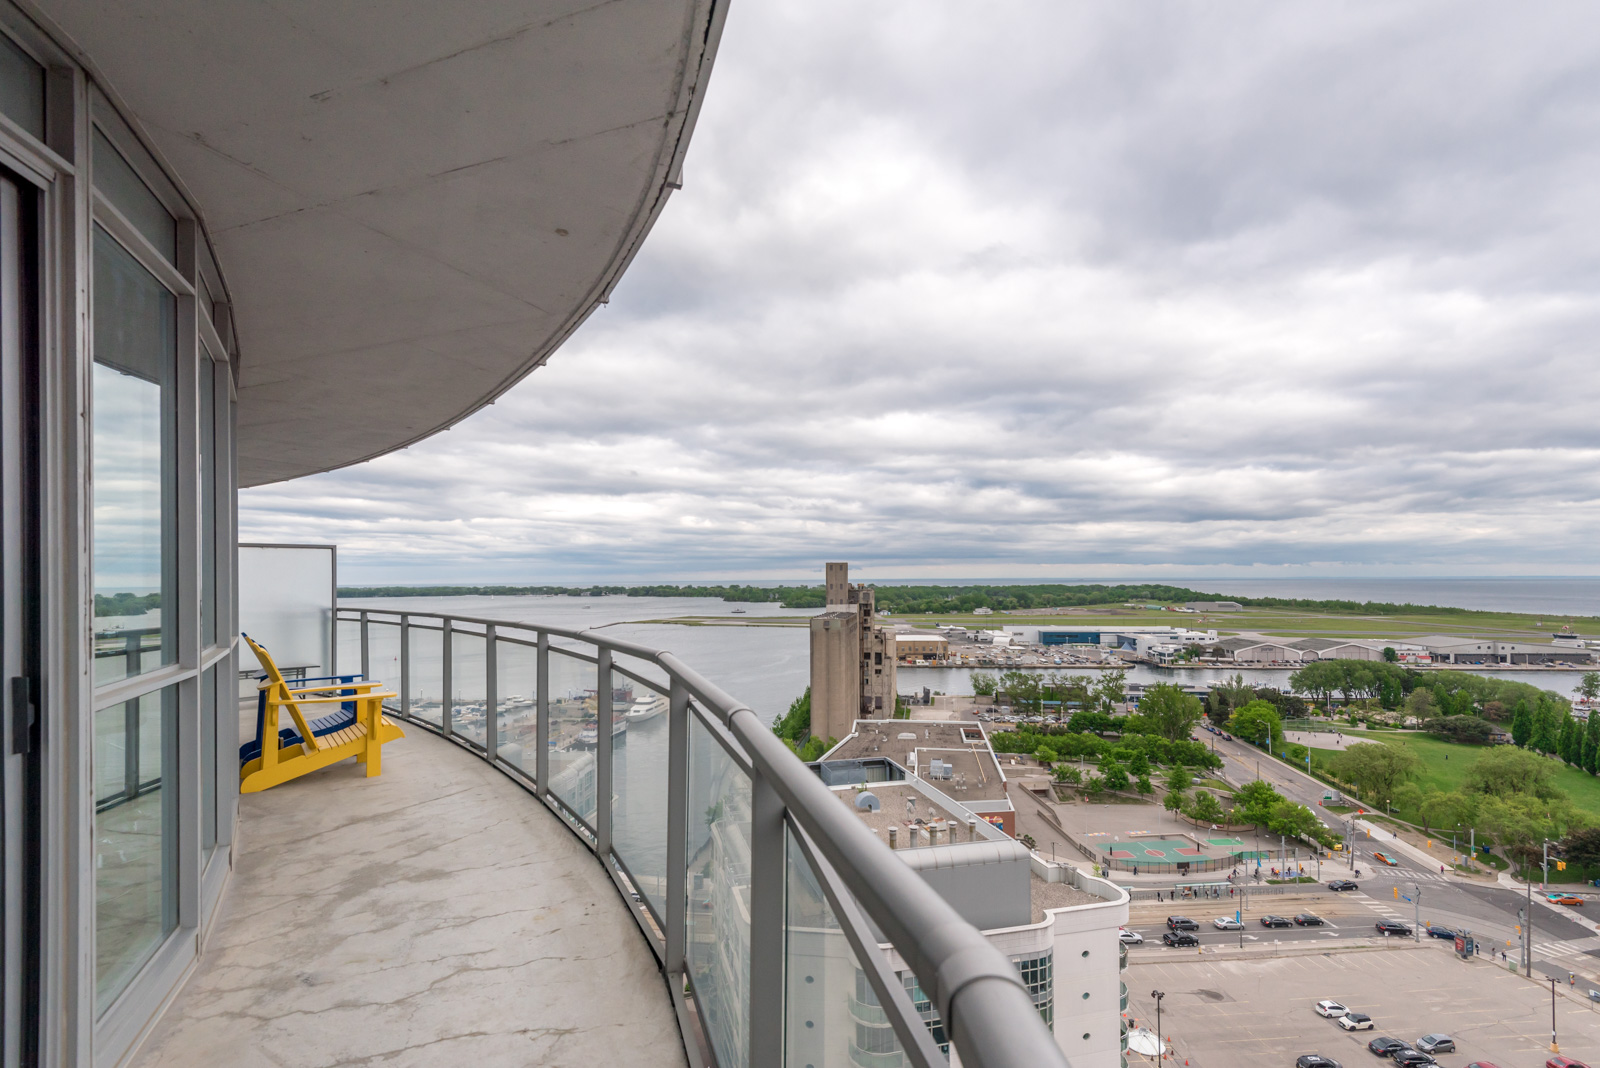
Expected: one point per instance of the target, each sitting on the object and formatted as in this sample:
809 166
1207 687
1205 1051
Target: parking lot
1221 1013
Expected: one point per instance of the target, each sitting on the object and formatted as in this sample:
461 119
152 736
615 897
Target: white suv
1331 1009
1130 938
1227 923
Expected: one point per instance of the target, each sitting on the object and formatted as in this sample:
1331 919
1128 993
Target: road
1563 938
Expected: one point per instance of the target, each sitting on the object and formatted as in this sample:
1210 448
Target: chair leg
372 755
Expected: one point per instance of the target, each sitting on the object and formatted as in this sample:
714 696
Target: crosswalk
1572 950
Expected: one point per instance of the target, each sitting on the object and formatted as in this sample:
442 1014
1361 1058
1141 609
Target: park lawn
1442 774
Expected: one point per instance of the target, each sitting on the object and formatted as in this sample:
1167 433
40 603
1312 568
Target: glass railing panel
639 783
517 704
383 658
427 672
574 733
718 928
347 648
832 1014
469 694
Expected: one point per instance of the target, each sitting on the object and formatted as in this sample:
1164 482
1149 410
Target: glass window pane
573 733
517 702
639 782
210 702
21 88
135 834
468 694
135 466
208 503
718 929
127 191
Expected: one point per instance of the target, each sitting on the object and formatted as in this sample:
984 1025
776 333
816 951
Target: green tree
1179 780
1146 787
1447 809
1519 823
1407 795
1390 655
795 724
1583 846
1023 689
1505 772
1095 786
983 684
1591 747
1111 691
1139 764
1257 722
1320 679
1229 695
1205 808
1570 746
1173 712
1522 725
1175 801
1254 801
1589 685
1375 768
1293 821
1115 777
1045 755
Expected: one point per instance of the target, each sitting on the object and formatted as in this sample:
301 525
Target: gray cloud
1067 290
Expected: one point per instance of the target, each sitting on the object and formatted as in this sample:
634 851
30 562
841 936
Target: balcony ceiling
412 203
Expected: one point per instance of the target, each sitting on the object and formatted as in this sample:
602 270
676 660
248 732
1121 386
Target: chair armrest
340 700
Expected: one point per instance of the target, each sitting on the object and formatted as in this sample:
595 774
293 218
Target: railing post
491 694
541 759
366 649
767 923
405 666
676 905
603 752
447 701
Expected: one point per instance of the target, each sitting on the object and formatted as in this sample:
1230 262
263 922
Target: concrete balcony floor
436 915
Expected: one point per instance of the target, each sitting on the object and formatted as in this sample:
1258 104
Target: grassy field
1294 622
1449 774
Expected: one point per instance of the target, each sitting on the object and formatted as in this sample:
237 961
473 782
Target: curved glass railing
764 902
1124 1005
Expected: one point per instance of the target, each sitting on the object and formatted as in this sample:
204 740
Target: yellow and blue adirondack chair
356 727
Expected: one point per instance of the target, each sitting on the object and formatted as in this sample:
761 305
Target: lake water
768 667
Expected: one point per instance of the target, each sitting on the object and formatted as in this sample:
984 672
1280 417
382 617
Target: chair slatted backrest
276 693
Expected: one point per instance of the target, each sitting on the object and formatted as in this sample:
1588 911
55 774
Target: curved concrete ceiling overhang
412 203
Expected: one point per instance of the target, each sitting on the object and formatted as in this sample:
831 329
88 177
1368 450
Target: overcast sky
1056 289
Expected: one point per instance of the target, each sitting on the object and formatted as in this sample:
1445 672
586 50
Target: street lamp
1553 1047
1161 1043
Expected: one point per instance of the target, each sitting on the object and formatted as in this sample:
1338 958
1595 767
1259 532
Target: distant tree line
918 600
125 604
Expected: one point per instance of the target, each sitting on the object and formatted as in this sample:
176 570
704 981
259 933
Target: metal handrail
988 1013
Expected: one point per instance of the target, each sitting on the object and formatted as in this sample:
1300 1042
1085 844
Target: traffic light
1561 865
1397 893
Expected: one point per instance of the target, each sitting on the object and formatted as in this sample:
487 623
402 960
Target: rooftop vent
867 801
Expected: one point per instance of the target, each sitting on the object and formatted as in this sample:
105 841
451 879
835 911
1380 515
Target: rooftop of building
974 773
1043 896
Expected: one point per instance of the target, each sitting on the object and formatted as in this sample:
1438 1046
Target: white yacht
646 708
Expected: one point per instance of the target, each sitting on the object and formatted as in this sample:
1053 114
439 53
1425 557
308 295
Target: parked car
1483 1064
1439 930
1392 927
1315 1060
1227 923
1436 1044
1180 938
1384 1046
1386 858
1343 884
1308 919
1412 1058
1355 1021
1181 923
1563 899
1560 1062
1331 1009
1131 938
1275 921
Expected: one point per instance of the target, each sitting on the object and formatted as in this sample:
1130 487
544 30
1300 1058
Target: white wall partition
287 596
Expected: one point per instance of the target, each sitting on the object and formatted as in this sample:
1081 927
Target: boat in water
646 708
589 735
